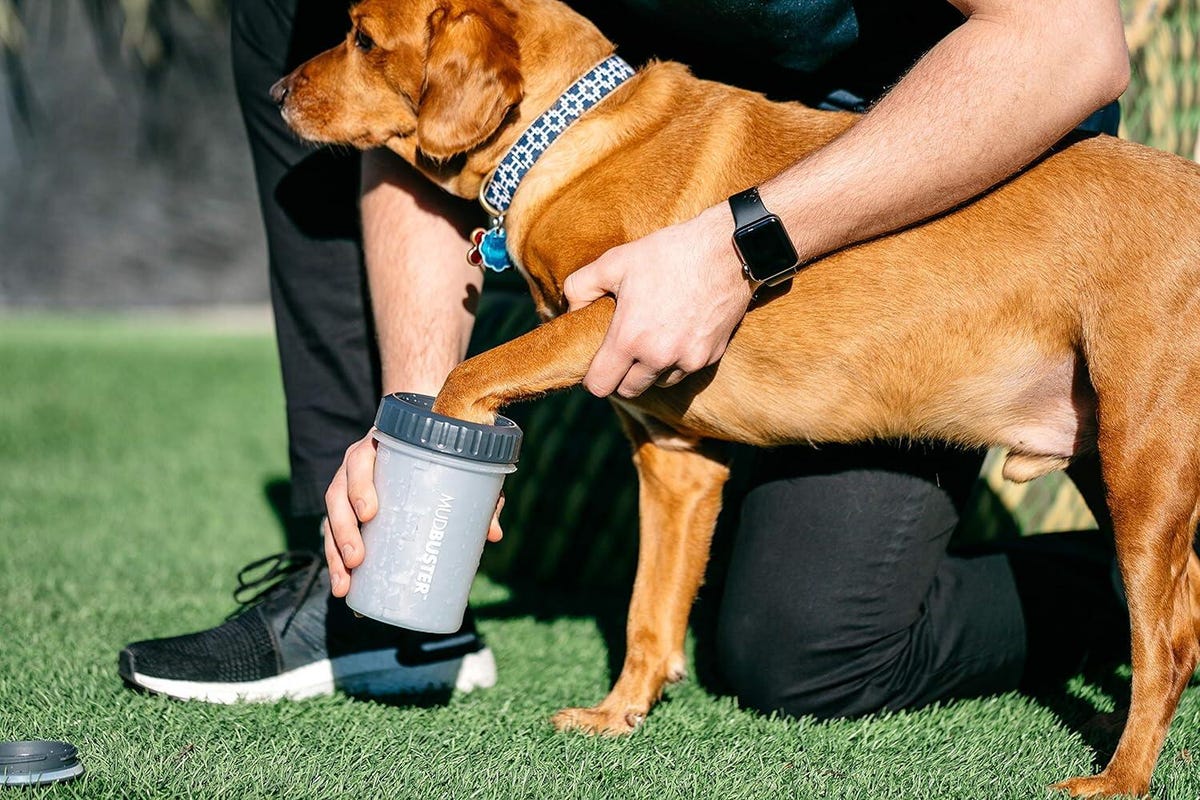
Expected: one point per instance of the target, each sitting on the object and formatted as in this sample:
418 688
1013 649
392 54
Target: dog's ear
472 78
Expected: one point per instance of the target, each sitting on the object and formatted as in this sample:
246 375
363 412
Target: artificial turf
133 462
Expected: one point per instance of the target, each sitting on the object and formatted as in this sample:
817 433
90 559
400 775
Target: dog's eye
363 42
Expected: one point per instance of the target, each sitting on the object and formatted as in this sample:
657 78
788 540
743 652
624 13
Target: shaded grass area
133 463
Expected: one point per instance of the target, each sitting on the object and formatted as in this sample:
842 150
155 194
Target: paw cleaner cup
438 481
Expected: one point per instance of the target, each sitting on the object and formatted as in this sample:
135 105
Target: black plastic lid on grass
33 762
408 418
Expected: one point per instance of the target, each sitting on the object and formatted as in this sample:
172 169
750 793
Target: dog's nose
279 91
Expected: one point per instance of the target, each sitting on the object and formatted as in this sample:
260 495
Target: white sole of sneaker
374 672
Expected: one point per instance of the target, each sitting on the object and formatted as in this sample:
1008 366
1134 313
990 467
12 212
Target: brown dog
1051 315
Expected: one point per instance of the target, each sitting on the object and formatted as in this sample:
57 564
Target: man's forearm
987 100
423 291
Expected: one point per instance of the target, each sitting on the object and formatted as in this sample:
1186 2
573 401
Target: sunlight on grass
133 461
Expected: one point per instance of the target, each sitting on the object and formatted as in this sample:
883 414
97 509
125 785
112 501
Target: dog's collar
496 193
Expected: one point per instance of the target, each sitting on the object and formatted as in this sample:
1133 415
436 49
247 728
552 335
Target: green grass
133 461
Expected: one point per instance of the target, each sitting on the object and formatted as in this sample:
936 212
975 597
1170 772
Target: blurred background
124 170
125 185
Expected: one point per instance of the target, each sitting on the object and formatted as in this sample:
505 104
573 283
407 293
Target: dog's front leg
552 356
679 499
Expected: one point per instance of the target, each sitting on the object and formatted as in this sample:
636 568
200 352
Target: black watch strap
747 207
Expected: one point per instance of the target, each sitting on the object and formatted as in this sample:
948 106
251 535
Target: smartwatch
768 256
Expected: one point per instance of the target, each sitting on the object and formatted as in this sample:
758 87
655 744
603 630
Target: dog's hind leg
1152 493
555 355
1085 473
1194 583
679 498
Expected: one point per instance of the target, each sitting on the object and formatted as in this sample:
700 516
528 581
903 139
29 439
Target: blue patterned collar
489 248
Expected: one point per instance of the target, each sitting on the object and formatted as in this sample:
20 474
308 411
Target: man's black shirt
789 49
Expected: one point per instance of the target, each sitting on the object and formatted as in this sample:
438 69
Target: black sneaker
292 639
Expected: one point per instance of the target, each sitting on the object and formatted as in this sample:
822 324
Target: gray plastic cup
438 480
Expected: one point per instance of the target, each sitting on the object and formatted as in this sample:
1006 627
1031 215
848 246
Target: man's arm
987 100
423 294
423 291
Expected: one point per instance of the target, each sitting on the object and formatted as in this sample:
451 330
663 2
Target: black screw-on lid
408 417
33 761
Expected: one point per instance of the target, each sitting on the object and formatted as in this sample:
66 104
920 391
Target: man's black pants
840 597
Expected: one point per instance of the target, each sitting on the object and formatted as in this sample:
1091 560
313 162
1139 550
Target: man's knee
812 667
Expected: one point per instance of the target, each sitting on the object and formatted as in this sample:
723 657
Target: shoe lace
260 578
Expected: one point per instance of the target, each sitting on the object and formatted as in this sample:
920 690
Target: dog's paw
1099 786
598 720
465 411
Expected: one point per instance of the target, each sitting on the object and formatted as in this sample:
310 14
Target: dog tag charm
489 249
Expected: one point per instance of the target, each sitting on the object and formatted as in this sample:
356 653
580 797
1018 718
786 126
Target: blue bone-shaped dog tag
489 249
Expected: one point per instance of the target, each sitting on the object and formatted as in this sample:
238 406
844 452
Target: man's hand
350 501
680 294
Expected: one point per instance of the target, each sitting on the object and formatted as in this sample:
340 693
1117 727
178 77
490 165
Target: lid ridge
410 419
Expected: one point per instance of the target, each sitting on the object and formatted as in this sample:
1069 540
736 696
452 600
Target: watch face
765 248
